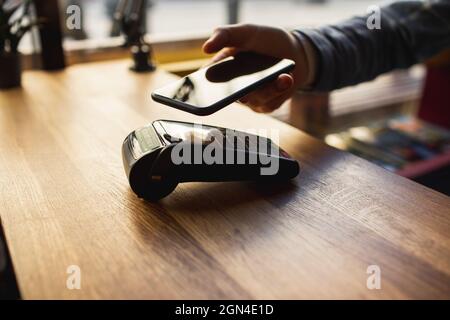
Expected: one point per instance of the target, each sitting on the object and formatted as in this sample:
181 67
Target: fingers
271 96
272 105
238 36
228 40
249 37
224 53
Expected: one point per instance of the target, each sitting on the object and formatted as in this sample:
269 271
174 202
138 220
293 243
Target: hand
229 40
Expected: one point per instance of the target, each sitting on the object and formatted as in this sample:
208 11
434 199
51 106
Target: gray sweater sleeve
350 52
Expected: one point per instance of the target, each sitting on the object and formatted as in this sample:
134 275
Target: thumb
236 36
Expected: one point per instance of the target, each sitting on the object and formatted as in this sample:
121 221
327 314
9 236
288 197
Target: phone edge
205 111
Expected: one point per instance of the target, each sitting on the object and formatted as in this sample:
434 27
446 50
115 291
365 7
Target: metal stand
130 14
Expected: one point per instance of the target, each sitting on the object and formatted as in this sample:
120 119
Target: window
185 19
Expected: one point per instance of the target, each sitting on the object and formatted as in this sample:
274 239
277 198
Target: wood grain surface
65 200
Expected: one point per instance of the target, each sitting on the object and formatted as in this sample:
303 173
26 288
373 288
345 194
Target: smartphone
214 87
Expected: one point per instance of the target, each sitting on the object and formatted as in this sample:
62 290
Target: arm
350 52
332 57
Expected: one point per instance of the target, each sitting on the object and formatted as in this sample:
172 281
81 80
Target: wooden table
65 201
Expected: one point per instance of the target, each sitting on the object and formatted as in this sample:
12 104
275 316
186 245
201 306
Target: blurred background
176 28
168 18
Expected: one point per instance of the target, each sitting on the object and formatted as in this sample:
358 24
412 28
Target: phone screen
228 78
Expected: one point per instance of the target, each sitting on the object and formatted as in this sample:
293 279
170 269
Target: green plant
15 21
